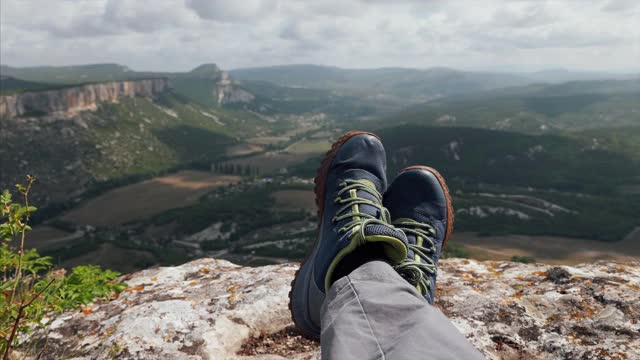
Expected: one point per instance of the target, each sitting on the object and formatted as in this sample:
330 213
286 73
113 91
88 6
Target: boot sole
299 315
447 195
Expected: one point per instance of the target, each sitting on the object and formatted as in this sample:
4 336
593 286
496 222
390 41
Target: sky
177 35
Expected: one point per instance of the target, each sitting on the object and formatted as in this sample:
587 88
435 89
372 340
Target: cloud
559 38
517 16
85 27
179 34
230 11
139 16
291 31
71 19
622 6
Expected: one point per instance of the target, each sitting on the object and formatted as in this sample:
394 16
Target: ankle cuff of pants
371 271
375 270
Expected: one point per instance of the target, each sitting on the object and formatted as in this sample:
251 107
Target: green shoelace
415 270
350 208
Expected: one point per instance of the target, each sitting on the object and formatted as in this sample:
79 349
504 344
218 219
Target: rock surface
228 92
71 100
212 309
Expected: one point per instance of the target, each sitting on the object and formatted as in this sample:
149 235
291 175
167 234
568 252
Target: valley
221 164
148 198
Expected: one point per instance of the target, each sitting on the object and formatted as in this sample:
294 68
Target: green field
151 197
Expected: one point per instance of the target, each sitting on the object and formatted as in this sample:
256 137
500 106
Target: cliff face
70 101
228 92
212 309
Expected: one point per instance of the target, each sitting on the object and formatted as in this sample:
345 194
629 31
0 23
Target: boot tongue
394 240
391 245
375 229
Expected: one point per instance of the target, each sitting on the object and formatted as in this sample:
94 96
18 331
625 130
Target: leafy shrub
523 259
453 250
85 284
29 287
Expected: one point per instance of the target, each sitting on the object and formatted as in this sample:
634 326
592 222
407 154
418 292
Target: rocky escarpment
225 89
71 100
228 92
212 309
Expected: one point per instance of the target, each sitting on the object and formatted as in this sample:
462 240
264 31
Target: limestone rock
71 100
228 92
212 309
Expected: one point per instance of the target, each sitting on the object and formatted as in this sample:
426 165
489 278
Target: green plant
453 250
523 259
29 287
85 284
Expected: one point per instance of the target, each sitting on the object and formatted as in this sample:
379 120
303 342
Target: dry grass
295 199
549 249
243 149
310 147
145 199
270 163
112 257
45 235
268 140
286 342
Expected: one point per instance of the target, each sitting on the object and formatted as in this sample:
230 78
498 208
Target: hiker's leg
373 313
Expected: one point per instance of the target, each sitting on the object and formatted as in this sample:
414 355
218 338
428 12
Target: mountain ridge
412 84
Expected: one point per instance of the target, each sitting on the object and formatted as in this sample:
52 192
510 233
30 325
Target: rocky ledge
212 309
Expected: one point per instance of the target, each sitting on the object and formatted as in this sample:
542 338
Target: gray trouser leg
375 314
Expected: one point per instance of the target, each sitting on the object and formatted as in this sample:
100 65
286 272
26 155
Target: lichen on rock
212 309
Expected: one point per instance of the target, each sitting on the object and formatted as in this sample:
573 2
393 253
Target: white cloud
180 34
522 15
629 6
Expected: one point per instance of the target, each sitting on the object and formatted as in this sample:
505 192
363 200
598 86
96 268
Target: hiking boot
420 205
348 188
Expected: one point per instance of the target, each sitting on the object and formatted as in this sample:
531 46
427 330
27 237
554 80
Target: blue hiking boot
349 187
420 205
